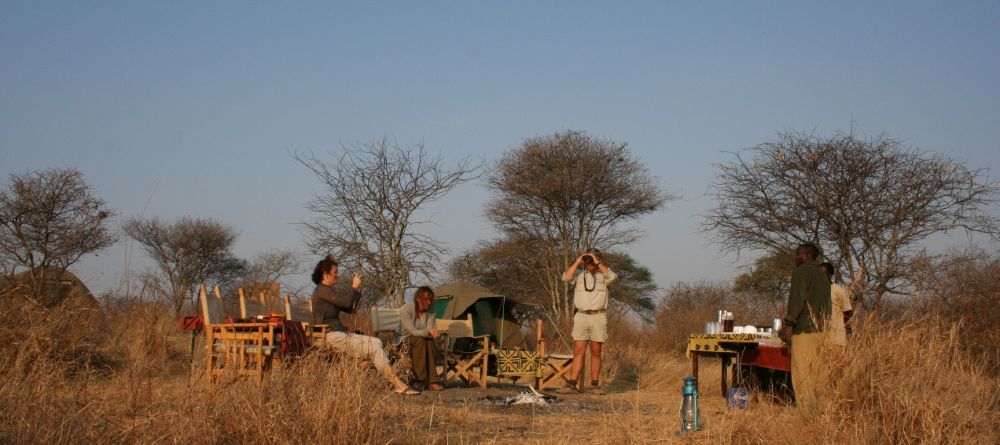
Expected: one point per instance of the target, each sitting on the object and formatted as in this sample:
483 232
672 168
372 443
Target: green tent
491 312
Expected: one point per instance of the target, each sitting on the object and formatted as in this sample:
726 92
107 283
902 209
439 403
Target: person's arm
609 275
848 307
345 301
796 301
431 323
407 315
571 271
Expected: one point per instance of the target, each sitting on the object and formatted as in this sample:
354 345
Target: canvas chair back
455 328
386 320
298 312
251 307
211 306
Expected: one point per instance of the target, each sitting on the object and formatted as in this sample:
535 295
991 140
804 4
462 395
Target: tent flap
491 312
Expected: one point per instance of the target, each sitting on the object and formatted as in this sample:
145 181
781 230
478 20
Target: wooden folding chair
469 366
303 314
233 350
556 367
251 308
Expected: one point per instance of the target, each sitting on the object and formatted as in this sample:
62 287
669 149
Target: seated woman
328 303
417 319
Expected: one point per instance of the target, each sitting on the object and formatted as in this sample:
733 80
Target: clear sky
195 105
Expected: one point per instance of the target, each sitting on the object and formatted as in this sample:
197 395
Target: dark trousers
422 356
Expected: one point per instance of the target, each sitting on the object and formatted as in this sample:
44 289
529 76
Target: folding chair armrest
241 325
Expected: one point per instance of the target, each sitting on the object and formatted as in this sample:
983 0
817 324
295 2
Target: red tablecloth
292 335
771 357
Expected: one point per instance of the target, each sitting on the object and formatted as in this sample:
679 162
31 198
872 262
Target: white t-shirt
841 302
590 292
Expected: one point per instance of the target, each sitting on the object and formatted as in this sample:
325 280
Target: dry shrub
687 307
314 401
908 381
911 381
68 333
142 392
960 285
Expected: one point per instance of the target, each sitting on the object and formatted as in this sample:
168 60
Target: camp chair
233 349
470 366
252 307
303 314
556 368
387 320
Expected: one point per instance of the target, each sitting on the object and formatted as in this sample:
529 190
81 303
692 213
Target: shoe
568 389
597 391
436 387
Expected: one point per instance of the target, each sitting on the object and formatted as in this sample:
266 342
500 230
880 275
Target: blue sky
195 105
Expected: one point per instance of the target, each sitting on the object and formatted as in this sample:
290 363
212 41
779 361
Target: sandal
406 391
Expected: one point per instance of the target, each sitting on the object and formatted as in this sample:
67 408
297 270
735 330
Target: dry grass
130 381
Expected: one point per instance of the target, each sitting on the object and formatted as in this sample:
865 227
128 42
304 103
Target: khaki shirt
590 291
841 301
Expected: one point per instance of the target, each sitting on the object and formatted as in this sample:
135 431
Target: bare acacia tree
866 202
570 191
50 219
265 272
367 213
769 277
271 266
188 252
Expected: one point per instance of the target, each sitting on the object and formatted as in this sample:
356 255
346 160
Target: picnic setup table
749 352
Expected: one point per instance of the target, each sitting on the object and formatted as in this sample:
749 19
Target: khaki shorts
593 327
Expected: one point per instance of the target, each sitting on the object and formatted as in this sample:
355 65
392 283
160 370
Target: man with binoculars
590 323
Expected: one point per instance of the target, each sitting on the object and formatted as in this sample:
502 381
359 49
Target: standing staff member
590 323
840 300
805 318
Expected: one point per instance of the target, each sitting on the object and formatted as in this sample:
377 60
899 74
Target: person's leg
579 353
433 380
598 335
418 356
581 336
595 361
371 348
805 353
430 358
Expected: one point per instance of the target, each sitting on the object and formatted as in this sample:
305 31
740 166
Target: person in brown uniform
805 320
328 302
417 319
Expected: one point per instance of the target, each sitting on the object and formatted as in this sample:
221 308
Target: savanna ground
76 375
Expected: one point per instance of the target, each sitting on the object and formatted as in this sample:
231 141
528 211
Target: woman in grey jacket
328 302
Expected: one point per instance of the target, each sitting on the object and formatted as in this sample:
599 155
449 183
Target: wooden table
734 346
